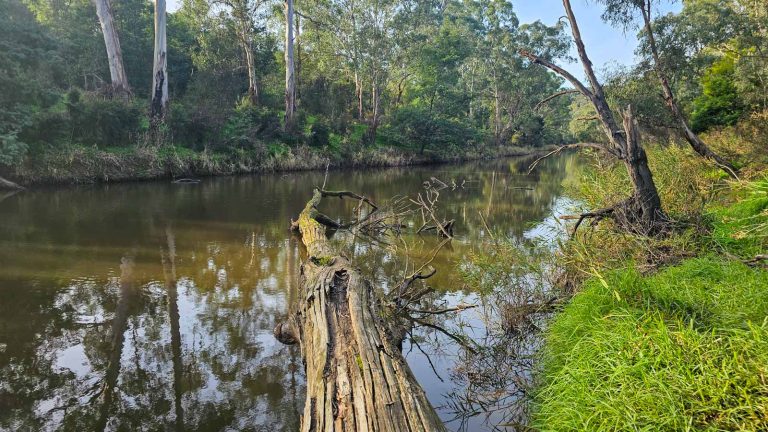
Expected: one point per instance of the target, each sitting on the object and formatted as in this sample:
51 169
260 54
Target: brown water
150 306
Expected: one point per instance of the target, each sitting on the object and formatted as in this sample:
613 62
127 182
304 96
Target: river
150 306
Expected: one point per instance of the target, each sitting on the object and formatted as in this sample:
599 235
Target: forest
383 215
251 85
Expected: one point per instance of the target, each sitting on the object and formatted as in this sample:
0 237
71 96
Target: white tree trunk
159 103
112 44
253 85
290 69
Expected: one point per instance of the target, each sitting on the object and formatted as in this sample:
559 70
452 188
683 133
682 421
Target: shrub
420 128
103 122
250 124
319 134
720 103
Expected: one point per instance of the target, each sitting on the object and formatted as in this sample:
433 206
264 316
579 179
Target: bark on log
357 378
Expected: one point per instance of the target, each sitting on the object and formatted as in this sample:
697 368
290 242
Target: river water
150 306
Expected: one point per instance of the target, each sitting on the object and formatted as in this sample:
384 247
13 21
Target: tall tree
117 73
290 68
621 12
642 212
243 17
159 104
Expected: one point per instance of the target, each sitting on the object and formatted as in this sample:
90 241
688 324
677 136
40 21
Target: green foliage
102 122
250 125
418 127
681 350
29 72
319 134
719 104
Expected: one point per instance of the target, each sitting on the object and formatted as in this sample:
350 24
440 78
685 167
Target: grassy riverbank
670 333
89 164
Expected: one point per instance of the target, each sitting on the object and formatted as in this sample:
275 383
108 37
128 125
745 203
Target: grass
685 349
667 334
742 226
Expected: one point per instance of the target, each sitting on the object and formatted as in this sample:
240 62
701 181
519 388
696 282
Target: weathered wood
357 378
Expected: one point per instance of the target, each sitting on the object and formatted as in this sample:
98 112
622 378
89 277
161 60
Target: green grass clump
685 349
742 227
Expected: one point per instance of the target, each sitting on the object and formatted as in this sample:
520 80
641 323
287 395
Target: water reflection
151 306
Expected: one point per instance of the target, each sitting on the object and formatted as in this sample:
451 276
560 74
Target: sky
606 46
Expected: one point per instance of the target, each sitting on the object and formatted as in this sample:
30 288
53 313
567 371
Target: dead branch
348 194
554 96
596 215
566 147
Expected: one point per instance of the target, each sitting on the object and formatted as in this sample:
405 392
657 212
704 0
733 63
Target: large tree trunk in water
114 54
159 103
669 98
357 378
290 69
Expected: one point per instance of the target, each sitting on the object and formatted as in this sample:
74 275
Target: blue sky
606 45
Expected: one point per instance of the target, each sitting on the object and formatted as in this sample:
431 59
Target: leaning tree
621 12
642 212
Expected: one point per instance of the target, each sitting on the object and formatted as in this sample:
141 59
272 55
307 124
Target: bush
420 128
12 151
319 134
103 122
720 103
250 125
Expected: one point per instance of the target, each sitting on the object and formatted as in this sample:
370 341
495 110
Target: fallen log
7 184
357 377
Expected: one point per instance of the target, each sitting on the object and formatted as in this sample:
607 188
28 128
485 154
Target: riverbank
77 165
664 333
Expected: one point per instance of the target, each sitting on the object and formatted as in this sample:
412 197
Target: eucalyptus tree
246 17
290 67
622 13
159 104
117 73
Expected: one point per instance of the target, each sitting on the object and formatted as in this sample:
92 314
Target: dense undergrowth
667 333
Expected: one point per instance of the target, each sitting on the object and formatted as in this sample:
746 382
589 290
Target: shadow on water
151 306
